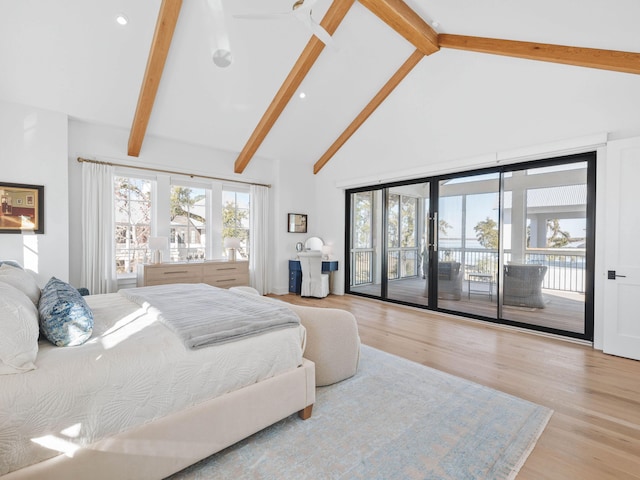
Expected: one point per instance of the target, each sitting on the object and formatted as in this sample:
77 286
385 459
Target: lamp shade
231 242
158 243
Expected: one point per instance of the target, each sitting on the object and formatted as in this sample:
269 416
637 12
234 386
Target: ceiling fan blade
316 29
306 5
219 38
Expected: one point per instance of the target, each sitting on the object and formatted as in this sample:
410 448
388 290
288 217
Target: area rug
395 419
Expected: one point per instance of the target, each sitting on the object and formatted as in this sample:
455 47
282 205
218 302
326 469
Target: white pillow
18 331
21 280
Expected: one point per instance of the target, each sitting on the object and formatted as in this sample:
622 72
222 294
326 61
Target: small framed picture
21 208
297 223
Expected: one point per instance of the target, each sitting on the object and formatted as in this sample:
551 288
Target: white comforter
133 370
206 315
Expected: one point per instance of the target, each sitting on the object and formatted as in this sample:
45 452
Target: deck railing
361 266
566 268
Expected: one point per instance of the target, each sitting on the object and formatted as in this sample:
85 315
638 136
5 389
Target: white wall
33 150
295 195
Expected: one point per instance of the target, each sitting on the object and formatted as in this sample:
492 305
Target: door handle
612 275
435 231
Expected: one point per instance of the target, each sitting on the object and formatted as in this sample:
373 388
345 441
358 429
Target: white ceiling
71 56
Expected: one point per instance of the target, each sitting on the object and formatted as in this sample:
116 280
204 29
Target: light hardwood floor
595 430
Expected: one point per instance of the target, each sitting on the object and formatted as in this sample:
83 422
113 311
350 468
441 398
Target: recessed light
122 19
302 95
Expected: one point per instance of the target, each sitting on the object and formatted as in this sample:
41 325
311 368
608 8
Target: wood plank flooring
594 433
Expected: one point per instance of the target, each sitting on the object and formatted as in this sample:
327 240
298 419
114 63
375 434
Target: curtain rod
81 160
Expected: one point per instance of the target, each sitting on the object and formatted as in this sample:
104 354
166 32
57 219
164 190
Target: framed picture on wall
21 208
297 223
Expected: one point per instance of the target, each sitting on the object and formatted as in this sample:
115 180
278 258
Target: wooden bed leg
305 413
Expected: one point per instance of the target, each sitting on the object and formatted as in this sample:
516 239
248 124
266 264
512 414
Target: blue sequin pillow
65 318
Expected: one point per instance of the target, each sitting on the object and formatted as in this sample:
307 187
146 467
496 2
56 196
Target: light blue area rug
395 419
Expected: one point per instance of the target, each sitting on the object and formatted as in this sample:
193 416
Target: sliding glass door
511 244
468 219
406 250
546 234
365 240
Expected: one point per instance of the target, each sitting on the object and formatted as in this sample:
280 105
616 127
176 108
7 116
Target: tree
181 203
443 227
558 238
232 220
487 233
363 211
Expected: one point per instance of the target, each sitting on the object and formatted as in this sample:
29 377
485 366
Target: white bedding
133 370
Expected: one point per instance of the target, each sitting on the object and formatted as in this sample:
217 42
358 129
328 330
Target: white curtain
98 257
259 241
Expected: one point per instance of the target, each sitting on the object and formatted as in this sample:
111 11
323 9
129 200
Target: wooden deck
594 433
563 310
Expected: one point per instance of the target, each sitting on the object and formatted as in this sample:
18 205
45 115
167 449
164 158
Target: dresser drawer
226 274
225 268
163 274
226 281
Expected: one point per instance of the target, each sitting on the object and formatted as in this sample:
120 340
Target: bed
134 402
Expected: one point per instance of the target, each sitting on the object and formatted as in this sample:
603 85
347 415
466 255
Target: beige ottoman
333 343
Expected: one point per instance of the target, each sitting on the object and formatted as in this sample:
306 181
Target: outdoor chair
450 276
523 285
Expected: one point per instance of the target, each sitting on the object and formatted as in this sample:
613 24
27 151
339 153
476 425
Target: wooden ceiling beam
336 13
380 97
628 62
165 26
399 16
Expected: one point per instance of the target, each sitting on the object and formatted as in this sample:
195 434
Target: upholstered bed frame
167 445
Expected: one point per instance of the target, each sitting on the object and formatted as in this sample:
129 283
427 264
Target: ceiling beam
308 57
165 26
627 62
380 97
399 16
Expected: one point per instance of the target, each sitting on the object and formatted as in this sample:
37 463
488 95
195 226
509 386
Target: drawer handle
228 268
226 280
177 271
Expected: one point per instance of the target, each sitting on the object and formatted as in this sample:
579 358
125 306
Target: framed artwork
21 208
297 223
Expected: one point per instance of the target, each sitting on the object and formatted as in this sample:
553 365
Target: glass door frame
587 157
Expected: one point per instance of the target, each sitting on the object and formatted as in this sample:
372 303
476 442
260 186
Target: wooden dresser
218 273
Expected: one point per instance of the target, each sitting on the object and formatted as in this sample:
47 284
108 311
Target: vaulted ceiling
72 57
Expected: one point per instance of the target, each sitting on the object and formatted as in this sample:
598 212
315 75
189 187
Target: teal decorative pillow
65 318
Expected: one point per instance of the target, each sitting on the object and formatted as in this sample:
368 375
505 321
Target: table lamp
232 244
157 245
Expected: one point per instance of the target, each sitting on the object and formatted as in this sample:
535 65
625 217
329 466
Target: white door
622 256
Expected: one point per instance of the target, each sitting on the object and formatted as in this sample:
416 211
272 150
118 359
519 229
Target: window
189 213
235 218
188 233
132 222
